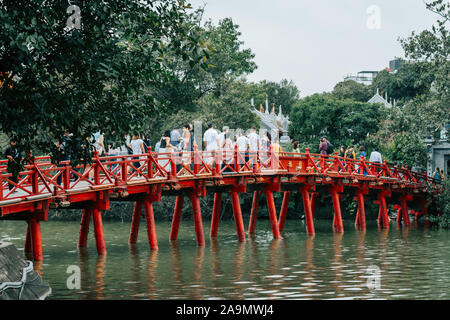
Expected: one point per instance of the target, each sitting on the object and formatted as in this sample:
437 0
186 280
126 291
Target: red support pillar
405 215
254 212
383 210
98 230
197 219
150 221
337 209
28 248
399 213
357 222
238 216
176 217
361 216
36 239
379 222
135 222
423 207
314 196
216 214
284 209
84 227
272 214
308 210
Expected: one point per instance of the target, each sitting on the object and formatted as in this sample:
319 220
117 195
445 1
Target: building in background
367 77
395 64
377 98
439 152
364 77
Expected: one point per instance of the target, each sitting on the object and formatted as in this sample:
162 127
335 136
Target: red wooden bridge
143 180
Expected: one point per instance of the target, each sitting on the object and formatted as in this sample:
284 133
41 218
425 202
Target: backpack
330 148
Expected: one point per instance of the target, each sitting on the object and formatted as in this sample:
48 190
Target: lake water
412 263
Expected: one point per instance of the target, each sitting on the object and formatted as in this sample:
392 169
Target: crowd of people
326 148
182 142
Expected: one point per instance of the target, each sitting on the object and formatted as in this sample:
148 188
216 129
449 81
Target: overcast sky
317 43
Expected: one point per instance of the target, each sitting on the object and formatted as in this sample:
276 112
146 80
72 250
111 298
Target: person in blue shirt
437 174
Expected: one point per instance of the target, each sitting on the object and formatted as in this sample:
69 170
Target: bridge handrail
45 177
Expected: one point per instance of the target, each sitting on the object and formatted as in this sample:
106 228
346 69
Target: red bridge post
423 207
28 248
314 196
404 211
195 201
98 230
176 218
361 213
238 216
150 221
272 214
216 214
84 227
304 190
337 208
284 209
135 222
36 238
254 212
383 212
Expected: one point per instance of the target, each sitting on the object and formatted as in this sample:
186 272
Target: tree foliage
102 75
352 90
284 94
343 122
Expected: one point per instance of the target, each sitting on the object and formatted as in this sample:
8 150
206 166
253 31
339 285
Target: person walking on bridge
323 146
375 156
243 144
437 175
137 145
211 141
254 145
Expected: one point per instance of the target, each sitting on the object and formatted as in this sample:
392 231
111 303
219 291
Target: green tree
411 79
284 94
343 122
225 62
102 75
352 90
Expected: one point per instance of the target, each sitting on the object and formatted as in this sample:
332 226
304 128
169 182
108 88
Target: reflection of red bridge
44 185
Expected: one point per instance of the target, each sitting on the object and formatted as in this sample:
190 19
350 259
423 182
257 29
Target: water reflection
83 263
239 270
135 268
176 268
152 265
100 284
326 265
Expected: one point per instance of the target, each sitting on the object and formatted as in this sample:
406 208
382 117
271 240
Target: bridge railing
42 178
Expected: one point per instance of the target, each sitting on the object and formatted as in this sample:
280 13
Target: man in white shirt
211 141
375 156
254 144
243 146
